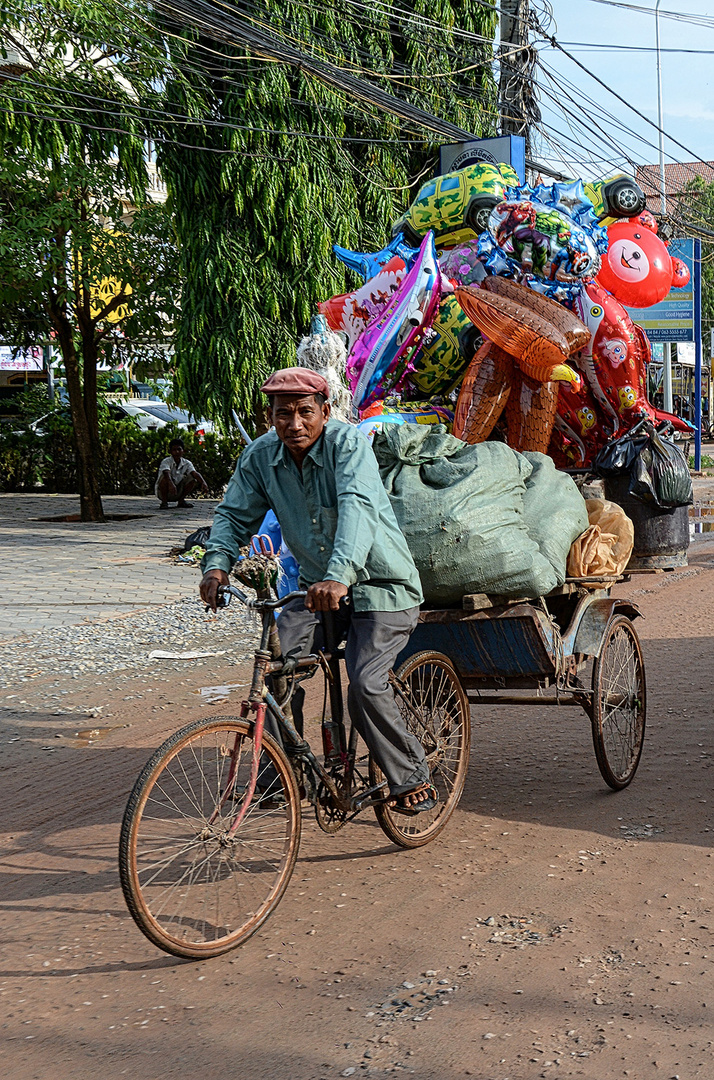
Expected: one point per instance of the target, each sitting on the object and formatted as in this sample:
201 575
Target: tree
282 167
85 257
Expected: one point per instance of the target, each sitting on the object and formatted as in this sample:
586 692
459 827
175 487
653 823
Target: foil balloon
543 240
446 351
638 268
484 392
530 414
579 431
372 424
455 207
536 331
381 358
351 313
368 265
409 412
515 372
609 360
463 265
493 386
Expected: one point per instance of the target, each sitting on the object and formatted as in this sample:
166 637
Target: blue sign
508 148
673 318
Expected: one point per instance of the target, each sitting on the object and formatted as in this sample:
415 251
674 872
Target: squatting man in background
321 479
177 478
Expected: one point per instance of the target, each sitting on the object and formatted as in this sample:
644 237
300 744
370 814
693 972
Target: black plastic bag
619 455
200 537
671 482
657 468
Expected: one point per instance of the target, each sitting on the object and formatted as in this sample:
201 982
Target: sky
687 81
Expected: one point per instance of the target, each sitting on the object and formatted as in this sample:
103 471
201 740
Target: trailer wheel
619 703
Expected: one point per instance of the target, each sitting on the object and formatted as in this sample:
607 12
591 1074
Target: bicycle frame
260 700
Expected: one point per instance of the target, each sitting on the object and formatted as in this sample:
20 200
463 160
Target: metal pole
667 349
698 354
244 434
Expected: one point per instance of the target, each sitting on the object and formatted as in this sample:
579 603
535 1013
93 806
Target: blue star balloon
570 199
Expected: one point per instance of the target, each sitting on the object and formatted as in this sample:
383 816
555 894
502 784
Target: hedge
129 460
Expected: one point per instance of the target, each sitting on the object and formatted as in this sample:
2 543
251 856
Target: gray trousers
374 639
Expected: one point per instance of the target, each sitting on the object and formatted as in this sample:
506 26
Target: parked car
156 414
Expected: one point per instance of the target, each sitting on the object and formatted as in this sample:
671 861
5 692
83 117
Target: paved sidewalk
63 573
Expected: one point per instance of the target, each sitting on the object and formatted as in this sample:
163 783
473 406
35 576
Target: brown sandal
400 805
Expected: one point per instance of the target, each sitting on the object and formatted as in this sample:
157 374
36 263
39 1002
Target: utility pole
518 105
667 347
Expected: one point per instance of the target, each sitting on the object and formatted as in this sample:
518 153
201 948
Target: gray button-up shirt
335 517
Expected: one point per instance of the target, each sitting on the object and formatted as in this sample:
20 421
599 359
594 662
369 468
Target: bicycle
212 827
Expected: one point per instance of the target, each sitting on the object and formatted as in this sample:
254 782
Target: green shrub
129 460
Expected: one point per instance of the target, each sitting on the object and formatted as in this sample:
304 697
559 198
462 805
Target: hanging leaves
256 225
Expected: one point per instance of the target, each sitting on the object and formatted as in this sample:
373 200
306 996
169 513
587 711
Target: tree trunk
87 446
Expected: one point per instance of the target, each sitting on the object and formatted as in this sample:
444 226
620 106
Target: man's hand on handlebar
210 583
324 595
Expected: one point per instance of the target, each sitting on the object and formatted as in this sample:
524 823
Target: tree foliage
76 262
275 178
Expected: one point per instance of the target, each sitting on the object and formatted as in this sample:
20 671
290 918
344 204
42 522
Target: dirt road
556 930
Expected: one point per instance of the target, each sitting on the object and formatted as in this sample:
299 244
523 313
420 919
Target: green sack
554 511
460 508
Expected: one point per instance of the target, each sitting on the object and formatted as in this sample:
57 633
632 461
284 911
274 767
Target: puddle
701 518
212 694
89 736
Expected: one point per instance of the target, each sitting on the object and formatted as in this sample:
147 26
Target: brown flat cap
296 381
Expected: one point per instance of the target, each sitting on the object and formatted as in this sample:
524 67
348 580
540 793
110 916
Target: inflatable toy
638 268
543 240
536 331
446 350
369 265
456 206
380 359
411 412
351 313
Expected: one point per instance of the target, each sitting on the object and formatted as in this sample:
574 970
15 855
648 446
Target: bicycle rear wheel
619 704
194 888
435 708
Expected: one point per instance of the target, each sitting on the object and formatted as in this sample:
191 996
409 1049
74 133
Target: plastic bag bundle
604 549
656 466
461 509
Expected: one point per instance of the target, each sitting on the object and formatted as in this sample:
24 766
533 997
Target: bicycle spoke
199 883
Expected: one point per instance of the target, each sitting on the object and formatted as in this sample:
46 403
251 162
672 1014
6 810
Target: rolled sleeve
359 488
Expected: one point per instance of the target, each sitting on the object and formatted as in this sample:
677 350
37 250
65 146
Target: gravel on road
103 648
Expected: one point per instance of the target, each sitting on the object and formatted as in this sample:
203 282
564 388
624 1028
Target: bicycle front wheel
435 708
194 887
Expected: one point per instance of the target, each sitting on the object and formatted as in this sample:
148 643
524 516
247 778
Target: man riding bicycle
321 479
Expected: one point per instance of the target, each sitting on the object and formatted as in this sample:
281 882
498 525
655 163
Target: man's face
299 421
176 453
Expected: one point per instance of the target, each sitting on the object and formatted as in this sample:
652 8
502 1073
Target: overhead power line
202 16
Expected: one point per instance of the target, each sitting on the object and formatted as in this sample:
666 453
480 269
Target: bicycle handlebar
226 591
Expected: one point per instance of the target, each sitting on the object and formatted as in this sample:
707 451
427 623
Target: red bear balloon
637 268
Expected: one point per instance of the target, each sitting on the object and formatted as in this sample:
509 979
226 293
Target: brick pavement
62 573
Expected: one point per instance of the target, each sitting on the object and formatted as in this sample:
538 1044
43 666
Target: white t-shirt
178 472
